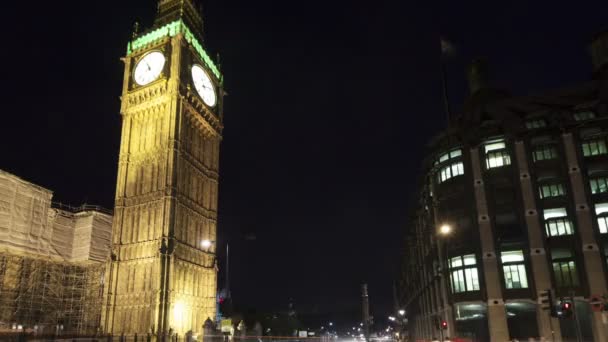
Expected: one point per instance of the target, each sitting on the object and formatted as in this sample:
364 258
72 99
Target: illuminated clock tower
163 275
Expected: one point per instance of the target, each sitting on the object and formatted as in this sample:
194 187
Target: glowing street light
401 312
206 244
391 318
446 229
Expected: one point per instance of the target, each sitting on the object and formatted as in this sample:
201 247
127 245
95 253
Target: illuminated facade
52 261
523 184
161 276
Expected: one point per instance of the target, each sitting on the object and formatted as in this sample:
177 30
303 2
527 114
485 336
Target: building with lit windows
522 183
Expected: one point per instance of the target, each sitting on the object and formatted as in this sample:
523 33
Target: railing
27 336
84 207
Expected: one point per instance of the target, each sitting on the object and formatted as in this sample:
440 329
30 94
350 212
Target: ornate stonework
160 277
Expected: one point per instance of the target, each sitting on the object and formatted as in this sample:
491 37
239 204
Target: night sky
330 106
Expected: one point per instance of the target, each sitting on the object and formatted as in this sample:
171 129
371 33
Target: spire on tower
185 10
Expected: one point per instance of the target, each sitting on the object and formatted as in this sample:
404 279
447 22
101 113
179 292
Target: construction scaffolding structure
52 261
47 296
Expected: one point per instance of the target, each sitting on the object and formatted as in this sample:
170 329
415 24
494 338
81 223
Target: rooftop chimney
477 74
599 52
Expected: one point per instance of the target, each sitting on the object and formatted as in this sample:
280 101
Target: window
599 185
514 270
544 152
449 171
447 156
601 211
557 222
594 147
584 115
564 268
463 274
497 154
551 190
539 123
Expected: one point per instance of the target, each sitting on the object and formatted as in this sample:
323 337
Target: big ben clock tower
162 275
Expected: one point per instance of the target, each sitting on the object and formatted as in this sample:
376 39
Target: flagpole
446 100
445 50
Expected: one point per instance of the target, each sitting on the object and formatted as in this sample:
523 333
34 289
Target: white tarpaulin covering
30 226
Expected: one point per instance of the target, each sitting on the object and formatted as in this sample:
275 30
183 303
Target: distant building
522 182
52 260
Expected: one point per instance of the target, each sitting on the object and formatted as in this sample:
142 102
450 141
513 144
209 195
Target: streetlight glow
401 312
445 229
206 244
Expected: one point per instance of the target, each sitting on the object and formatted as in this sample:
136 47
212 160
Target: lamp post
444 233
206 245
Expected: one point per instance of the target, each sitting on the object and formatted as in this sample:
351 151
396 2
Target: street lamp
401 312
206 244
391 318
445 230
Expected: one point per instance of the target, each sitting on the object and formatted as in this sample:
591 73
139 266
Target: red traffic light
444 325
567 309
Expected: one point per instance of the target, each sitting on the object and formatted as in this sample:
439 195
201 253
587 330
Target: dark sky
330 106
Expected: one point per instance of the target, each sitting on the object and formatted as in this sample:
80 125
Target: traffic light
225 306
566 309
547 302
444 325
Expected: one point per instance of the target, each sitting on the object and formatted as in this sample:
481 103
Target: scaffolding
48 296
52 260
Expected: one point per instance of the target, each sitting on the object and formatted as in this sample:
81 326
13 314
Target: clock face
149 68
203 85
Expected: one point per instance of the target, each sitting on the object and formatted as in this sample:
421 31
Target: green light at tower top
170 30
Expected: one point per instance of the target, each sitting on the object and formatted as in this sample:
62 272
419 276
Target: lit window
463 274
594 147
532 124
557 222
497 154
514 270
448 155
551 190
601 211
564 268
599 185
545 152
450 171
585 115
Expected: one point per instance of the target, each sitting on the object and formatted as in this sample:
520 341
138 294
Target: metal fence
23 336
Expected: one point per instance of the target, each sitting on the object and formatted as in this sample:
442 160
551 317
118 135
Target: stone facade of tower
161 278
